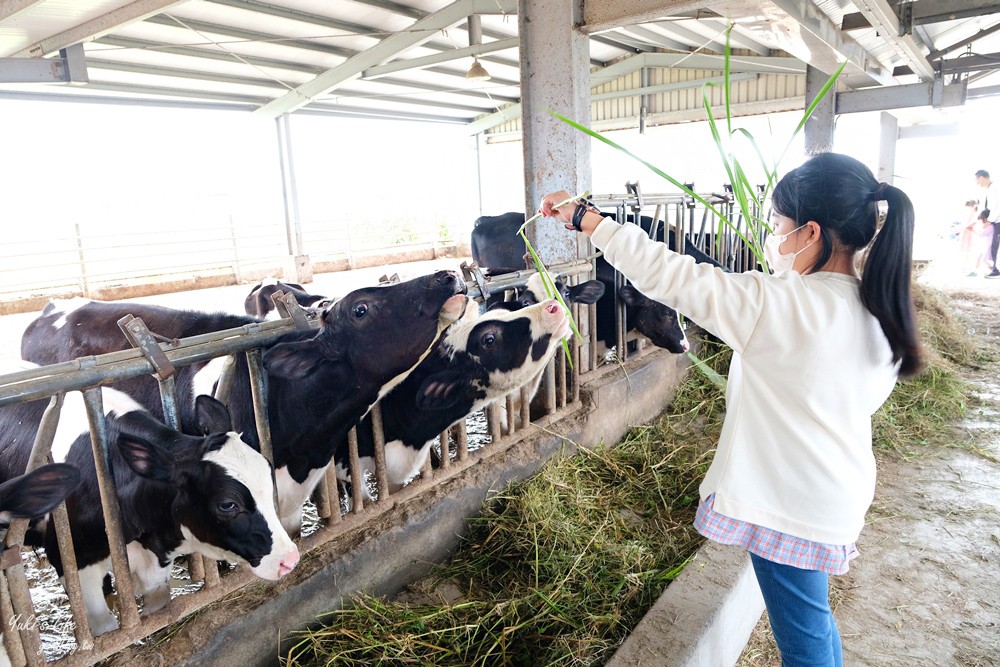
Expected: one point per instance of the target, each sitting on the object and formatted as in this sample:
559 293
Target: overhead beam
803 30
933 93
924 12
443 57
936 54
513 111
69 67
660 40
418 33
598 16
701 43
9 8
96 27
703 61
884 19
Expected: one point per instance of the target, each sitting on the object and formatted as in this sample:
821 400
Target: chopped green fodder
559 568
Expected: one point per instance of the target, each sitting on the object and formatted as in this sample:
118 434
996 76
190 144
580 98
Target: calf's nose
288 563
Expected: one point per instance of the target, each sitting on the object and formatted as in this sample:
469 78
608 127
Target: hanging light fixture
477 72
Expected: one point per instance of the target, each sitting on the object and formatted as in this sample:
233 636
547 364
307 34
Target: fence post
84 281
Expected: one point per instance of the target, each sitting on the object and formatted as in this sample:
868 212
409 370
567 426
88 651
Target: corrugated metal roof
249 53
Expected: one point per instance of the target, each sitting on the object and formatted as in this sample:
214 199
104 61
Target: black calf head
652 319
374 334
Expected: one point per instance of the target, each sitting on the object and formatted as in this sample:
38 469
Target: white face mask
777 261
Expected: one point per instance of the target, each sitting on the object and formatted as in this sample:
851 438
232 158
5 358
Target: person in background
983 181
968 239
984 247
817 349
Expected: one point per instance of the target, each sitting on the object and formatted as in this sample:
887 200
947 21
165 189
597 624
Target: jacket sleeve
727 305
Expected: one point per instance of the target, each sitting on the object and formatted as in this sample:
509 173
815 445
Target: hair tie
879 193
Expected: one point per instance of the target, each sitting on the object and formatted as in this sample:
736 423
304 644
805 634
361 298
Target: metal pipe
378 435
127 609
357 475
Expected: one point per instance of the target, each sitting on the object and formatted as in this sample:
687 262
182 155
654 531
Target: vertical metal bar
211 573
525 407
445 450
620 326
127 608
11 640
549 383
381 477
196 567
357 475
42 447
333 492
561 369
168 400
224 386
511 417
321 498
258 390
71 578
463 441
293 226
84 280
493 420
575 375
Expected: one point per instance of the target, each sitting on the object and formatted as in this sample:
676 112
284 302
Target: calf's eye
360 310
489 339
226 506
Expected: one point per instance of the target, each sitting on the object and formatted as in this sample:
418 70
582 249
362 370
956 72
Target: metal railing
559 392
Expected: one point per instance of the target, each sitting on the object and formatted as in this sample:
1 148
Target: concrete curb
703 619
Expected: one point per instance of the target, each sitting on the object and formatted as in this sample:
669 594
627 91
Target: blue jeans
798 605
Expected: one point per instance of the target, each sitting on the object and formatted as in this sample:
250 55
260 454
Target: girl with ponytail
817 348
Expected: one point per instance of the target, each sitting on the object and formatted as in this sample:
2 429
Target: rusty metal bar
562 368
127 608
168 400
321 496
357 475
196 567
509 403
11 640
549 385
446 449
525 406
463 441
211 573
224 386
493 420
71 578
378 435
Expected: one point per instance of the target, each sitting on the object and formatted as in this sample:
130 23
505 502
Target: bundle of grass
559 568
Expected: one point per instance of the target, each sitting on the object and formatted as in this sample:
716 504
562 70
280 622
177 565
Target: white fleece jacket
810 367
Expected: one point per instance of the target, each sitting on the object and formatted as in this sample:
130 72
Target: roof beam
9 8
884 19
923 12
938 53
702 44
756 64
923 94
803 30
69 67
444 56
418 33
660 40
514 111
96 27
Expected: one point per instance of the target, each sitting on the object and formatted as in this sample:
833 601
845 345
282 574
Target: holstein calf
260 305
319 385
477 361
179 494
495 246
30 496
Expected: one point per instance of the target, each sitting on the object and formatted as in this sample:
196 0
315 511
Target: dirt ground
926 588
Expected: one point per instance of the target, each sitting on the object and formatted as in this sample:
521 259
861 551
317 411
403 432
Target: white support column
297 267
887 147
555 74
819 127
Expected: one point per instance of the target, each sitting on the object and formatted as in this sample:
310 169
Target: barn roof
410 58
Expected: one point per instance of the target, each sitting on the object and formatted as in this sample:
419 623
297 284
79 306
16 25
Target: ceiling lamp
477 72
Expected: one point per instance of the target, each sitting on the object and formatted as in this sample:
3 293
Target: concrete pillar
555 75
819 127
887 147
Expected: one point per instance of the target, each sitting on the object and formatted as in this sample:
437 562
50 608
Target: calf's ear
293 360
441 390
213 415
630 295
145 458
588 292
39 491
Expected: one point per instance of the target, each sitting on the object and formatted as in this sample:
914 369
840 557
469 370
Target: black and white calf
260 305
318 385
495 246
31 496
477 361
179 494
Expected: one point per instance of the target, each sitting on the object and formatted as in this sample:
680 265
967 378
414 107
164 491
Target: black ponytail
841 195
886 280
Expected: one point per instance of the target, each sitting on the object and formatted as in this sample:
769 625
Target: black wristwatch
582 207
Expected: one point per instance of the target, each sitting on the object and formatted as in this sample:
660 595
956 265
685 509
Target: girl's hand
563 214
